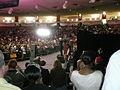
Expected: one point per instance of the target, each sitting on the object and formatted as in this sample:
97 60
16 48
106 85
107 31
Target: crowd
13 38
90 73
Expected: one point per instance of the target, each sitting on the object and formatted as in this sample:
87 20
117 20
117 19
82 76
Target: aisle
48 58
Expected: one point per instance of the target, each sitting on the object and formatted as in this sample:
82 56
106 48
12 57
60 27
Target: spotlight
43 32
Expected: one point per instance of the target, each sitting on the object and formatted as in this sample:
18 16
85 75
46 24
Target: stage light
43 32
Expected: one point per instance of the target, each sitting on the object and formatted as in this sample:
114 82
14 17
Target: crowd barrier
20 56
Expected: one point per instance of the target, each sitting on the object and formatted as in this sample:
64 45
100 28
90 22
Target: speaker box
33 51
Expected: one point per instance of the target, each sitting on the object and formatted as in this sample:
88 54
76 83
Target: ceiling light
40 21
29 19
10 11
36 7
104 13
68 20
76 19
90 19
65 4
92 1
50 18
12 20
119 14
8 18
95 15
3 20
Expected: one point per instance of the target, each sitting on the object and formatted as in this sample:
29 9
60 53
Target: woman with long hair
58 76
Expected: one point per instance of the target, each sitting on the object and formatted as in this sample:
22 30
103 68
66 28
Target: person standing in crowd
23 52
86 78
58 76
4 85
112 76
33 74
44 72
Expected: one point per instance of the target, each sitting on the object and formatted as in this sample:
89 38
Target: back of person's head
12 63
88 57
1 59
57 64
33 73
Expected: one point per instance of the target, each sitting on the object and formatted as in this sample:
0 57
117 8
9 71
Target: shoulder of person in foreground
8 86
112 76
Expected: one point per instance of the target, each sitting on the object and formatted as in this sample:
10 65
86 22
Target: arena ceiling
55 7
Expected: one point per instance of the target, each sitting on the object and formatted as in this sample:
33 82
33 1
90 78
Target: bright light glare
95 15
8 18
50 18
104 21
43 32
29 18
119 14
79 15
104 13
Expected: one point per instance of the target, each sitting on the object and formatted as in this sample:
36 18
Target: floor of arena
48 58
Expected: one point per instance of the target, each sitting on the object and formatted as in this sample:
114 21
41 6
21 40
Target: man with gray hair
4 85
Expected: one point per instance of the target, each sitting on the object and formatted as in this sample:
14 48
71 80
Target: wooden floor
48 58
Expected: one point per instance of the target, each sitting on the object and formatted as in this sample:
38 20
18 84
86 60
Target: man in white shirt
4 85
112 76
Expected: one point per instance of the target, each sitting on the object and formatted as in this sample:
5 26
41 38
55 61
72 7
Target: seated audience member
44 72
112 75
58 76
86 78
4 85
14 75
33 74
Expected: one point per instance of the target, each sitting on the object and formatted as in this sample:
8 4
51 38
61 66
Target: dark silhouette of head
33 73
